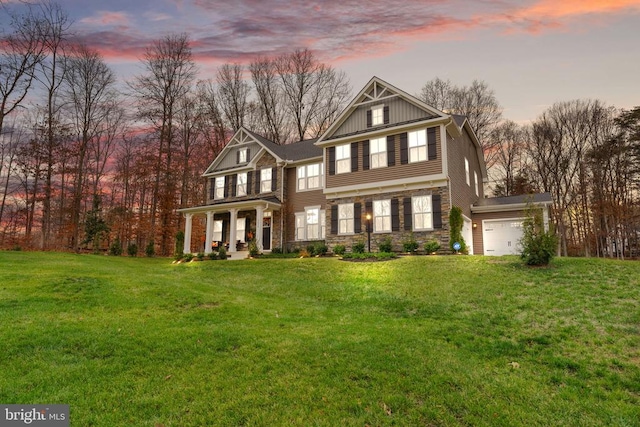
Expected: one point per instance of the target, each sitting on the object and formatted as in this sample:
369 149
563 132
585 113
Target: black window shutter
354 157
385 113
365 155
404 149
247 228
212 187
274 179
258 178
248 155
395 215
369 118
357 218
232 184
437 211
331 152
408 214
431 144
334 219
227 180
237 156
391 150
249 182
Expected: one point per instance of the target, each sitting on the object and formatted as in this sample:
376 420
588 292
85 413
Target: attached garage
497 222
502 236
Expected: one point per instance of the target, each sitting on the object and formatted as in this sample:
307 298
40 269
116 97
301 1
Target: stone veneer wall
397 237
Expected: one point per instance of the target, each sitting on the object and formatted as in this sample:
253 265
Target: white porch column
187 233
209 233
545 217
233 220
259 215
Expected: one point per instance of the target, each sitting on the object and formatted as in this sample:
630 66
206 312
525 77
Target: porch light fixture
368 217
475 225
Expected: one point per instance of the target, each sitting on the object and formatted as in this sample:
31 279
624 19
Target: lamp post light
368 217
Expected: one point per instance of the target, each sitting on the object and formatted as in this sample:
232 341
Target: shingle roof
459 119
295 151
513 200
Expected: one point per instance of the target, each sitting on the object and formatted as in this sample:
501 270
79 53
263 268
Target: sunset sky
531 52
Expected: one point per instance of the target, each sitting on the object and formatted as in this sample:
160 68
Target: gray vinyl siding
230 159
400 111
463 195
297 201
399 171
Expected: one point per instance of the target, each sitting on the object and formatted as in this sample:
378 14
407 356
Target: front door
266 233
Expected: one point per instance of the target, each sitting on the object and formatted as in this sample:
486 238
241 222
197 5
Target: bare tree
510 169
274 125
233 93
169 73
211 123
438 93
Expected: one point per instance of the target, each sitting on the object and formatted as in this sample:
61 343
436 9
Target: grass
430 341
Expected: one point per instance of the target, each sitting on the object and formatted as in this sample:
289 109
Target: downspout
283 206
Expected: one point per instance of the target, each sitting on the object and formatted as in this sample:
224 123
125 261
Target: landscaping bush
385 245
213 256
253 248
200 256
222 253
538 246
187 257
455 224
116 248
369 256
339 249
132 249
320 248
431 247
410 245
179 248
277 250
150 250
358 248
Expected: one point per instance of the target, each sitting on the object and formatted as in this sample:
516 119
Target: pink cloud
106 18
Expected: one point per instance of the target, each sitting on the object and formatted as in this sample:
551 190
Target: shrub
432 247
187 257
253 248
455 224
358 248
320 248
410 245
132 249
200 256
213 256
116 248
150 250
339 249
310 249
277 250
538 245
304 253
179 248
385 245
222 253
370 256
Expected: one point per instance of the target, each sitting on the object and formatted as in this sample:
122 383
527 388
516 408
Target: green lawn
416 341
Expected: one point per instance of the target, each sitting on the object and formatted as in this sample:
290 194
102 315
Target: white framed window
310 224
377 115
309 176
417 146
313 223
242 155
217 230
323 224
475 177
219 190
241 186
466 171
241 224
422 213
345 218
300 225
343 158
381 216
378 152
265 180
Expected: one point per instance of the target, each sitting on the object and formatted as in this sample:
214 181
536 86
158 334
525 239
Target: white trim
507 208
225 207
403 184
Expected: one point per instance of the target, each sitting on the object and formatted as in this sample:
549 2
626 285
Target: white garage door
502 237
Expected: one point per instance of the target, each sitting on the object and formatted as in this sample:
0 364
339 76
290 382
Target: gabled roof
381 90
499 204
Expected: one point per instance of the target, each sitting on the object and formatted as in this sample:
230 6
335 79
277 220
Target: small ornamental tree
179 248
455 228
538 245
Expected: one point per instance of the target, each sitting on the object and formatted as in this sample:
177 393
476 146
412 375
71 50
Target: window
377 115
241 189
417 146
378 150
241 224
343 158
242 155
219 193
265 180
345 218
466 170
422 213
381 215
217 230
310 224
475 177
309 176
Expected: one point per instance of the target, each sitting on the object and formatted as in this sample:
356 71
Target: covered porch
234 225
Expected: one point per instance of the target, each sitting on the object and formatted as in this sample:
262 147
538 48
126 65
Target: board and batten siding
380 175
463 195
231 160
400 111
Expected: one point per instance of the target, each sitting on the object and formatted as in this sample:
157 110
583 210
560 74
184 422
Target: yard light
368 216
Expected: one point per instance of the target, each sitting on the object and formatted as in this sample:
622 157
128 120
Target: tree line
87 160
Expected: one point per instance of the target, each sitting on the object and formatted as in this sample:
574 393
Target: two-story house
390 165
